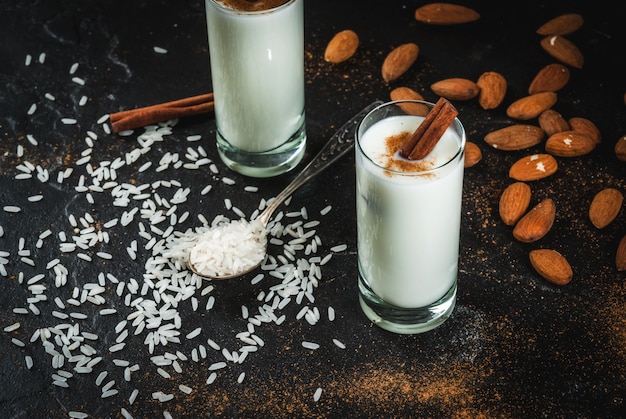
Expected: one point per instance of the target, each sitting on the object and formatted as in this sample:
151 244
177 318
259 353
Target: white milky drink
257 70
408 215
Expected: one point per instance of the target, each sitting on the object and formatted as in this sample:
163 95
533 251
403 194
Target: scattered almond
342 46
605 206
472 154
533 167
620 148
455 88
551 265
531 106
562 25
552 122
515 137
563 50
514 202
551 78
399 60
406 93
492 89
445 14
536 223
569 144
620 255
585 126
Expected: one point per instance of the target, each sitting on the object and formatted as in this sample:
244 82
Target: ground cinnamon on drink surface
395 162
252 6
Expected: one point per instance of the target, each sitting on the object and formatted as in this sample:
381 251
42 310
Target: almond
552 122
534 167
620 255
514 202
563 50
562 25
445 14
531 106
406 93
585 126
492 89
551 78
605 206
515 137
536 223
399 60
472 154
456 88
569 144
620 148
551 265
341 47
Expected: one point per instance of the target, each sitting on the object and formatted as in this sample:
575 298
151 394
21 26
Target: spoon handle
338 145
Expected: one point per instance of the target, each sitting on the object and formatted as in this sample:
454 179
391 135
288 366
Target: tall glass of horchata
408 220
256 50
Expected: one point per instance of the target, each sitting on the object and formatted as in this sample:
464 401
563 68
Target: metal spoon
340 143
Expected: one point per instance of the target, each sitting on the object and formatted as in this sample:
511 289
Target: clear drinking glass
408 220
256 50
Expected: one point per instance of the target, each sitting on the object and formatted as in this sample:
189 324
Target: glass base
267 163
405 320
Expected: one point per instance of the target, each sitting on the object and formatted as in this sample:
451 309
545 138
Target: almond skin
620 148
492 89
473 154
605 206
531 106
563 50
514 202
515 137
620 255
456 88
533 167
569 144
406 93
585 126
551 78
536 223
342 46
552 122
551 265
399 60
445 14
562 25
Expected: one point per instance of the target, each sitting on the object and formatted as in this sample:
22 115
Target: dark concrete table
516 345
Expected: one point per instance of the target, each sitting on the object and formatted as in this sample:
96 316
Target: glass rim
229 10
457 124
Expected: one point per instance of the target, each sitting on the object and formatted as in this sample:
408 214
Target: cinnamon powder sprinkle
396 162
252 6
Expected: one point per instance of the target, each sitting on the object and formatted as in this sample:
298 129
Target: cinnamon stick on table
136 118
428 133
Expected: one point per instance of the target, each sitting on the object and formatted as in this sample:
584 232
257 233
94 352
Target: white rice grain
310 345
339 344
317 394
133 396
